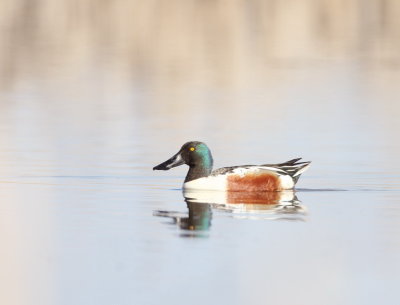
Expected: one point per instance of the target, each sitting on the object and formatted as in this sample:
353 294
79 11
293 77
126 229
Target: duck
242 178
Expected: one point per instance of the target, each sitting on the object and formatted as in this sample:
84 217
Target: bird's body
248 178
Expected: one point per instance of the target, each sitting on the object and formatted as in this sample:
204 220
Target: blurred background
93 94
305 75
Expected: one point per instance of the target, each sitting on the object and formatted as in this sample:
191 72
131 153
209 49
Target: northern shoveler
250 178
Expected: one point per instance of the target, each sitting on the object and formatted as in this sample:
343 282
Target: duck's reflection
199 217
252 205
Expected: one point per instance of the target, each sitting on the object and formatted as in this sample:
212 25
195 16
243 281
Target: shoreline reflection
241 205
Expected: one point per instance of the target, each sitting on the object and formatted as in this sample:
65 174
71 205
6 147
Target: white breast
213 183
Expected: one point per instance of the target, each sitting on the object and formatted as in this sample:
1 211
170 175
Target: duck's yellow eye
191 148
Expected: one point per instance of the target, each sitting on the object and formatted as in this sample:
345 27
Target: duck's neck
198 171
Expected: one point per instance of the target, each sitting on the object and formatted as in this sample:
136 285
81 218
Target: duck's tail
293 167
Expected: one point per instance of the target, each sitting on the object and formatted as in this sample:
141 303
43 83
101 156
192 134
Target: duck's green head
195 154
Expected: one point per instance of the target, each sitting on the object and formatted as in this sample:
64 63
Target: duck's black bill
176 160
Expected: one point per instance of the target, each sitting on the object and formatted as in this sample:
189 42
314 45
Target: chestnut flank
263 182
267 198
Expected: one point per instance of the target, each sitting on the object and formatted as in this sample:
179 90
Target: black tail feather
293 162
293 167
